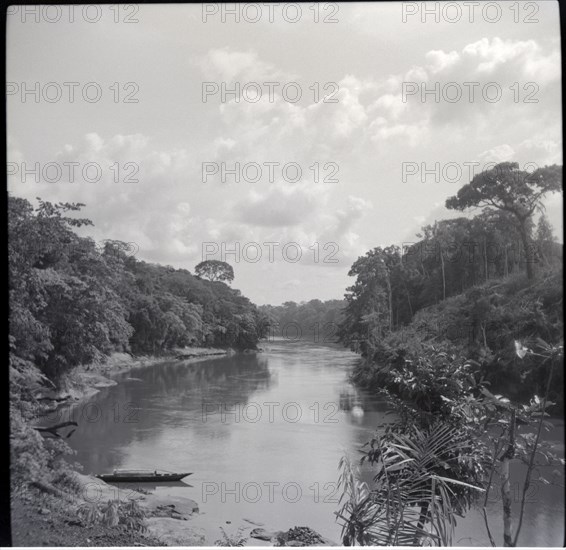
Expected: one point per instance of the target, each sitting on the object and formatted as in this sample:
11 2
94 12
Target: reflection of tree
348 398
168 395
370 401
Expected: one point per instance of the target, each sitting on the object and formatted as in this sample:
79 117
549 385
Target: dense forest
73 303
466 285
451 257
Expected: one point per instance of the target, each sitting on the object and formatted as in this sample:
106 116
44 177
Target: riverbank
46 513
69 519
63 520
85 381
49 521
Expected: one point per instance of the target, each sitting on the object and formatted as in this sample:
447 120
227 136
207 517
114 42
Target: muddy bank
179 521
43 520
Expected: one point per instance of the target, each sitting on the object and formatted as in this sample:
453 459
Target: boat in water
142 475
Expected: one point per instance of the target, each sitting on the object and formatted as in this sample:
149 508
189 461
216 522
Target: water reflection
153 401
543 523
149 487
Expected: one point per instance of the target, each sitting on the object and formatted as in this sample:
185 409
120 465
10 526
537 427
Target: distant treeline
314 321
72 302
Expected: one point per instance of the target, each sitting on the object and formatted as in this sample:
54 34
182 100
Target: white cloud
501 153
281 205
526 58
369 133
439 60
232 66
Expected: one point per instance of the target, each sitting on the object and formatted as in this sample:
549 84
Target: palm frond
414 501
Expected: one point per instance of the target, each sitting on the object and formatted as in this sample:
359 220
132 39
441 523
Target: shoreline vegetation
480 325
463 332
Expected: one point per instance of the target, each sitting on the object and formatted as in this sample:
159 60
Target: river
263 434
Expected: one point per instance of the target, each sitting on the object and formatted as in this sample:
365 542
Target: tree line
393 283
72 303
313 321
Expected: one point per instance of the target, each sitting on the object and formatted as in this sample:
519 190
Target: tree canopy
392 284
313 321
73 303
506 187
215 270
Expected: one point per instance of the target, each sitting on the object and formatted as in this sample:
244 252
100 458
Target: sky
385 128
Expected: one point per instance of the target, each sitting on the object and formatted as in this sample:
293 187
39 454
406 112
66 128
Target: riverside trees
450 256
72 303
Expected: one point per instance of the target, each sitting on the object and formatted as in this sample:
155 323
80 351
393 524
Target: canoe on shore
141 475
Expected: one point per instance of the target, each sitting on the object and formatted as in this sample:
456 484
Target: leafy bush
235 539
113 513
482 325
418 487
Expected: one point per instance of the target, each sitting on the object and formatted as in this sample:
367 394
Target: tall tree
544 238
368 314
506 187
215 270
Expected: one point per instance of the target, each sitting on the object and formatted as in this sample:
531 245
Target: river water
263 434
